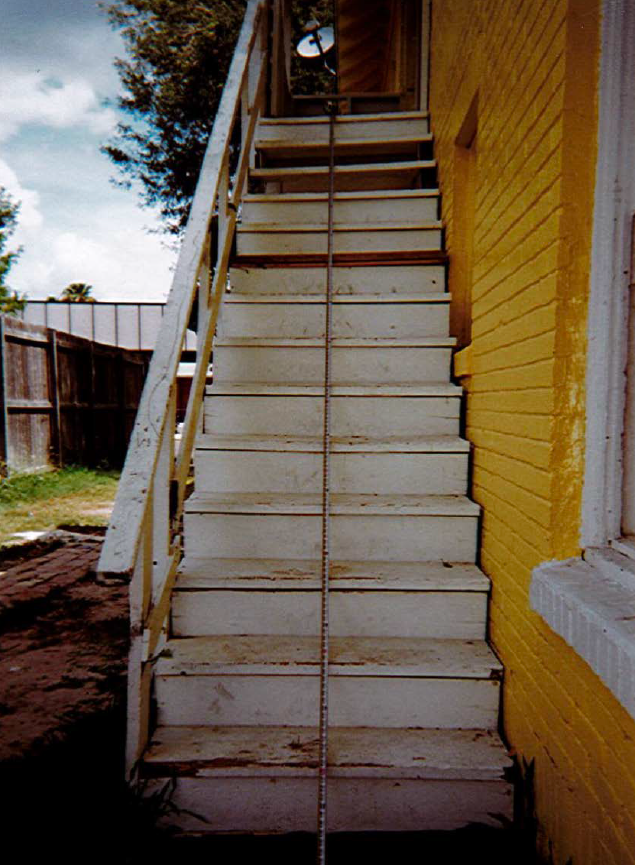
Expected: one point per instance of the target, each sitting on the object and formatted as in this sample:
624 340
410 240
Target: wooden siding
65 399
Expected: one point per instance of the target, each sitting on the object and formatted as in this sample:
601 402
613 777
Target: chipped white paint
362 318
297 410
403 206
387 280
591 604
360 361
273 240
409 665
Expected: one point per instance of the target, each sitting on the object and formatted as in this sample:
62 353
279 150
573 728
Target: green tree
10 301
77 292
178 54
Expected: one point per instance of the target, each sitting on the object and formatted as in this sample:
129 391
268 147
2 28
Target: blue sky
57 95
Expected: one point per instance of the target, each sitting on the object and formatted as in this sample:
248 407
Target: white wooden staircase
414 687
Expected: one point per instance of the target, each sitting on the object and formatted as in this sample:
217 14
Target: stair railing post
139 668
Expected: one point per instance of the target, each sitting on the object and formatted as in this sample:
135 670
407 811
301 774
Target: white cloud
123 263
29 217
29 99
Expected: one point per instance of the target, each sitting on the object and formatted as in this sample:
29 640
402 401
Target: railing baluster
139 671
141 543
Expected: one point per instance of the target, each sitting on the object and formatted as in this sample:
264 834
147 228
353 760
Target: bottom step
264 779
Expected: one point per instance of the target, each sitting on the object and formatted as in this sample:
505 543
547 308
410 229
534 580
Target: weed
42 501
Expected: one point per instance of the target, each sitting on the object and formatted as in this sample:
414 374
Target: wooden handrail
125 530
143 544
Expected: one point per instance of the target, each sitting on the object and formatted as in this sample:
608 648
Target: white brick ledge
590 603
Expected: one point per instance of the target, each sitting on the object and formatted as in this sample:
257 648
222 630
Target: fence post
92 414
56 422
123 409
4 416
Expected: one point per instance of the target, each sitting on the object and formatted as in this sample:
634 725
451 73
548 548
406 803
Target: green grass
43 501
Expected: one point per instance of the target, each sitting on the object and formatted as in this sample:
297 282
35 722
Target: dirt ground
62 719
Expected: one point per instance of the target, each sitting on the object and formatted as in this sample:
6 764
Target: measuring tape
326 512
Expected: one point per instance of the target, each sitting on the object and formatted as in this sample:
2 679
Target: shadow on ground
62 723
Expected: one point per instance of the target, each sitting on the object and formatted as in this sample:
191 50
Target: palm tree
77 292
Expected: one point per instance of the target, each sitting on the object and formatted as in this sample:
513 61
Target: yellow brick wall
532 66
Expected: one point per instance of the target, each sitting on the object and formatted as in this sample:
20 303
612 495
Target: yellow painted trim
463 362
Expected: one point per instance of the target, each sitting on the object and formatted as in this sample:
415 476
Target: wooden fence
64 399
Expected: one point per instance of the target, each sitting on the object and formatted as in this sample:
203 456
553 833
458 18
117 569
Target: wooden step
372 599
243 463
363 527
263 779
259 239
273 360
382 134
384 280
274 680
405 174
363 316
357 208
322 119
297 409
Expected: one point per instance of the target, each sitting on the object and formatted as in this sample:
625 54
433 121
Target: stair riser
398 320
361 365
268 472
363 538
350 182
308 242
292 700
447 615
298 415
355 805
300 132
352 211
383 280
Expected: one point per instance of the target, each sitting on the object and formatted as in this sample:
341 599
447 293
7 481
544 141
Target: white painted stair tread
322 119
282 655
339 444
361 142
361 752
198 573
320 228
340 299
337 342
323 170
341 504
352 195
406 389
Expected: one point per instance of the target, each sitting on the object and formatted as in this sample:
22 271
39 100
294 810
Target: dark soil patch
62 729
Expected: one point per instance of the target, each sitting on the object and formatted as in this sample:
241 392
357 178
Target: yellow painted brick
533 401
534 427
532 375
521 244
528 554
535 322
530 505
518 248
518 472
537 270
521 353
518 299
532 167
527 450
